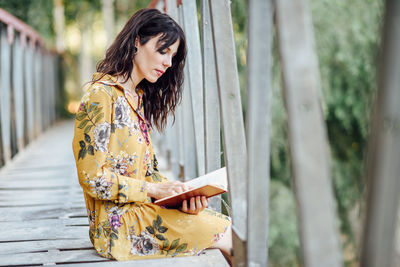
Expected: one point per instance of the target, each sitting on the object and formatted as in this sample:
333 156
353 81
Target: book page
217 177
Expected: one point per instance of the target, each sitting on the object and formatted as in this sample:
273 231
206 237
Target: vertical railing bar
18 92
189 145
13 126
212 123
175 132
234 142
195 78
5 96
260 33
29 87
383 181
307 135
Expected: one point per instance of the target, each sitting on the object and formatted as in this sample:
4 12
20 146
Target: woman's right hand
157 191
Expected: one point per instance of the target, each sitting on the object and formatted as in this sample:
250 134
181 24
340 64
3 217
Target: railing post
175 132
212 124
5 97
29 90
18 83
319 233
189 141
260 32
232 122
384 152
194 77
37 67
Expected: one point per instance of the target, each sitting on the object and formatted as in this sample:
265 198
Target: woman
135 88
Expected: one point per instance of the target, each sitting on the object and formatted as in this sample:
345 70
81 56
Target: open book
209 185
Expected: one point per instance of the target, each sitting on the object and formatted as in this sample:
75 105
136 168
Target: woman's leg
225 245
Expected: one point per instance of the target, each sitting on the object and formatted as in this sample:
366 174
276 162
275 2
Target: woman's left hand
194 205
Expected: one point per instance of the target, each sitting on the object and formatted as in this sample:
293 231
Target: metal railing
28 87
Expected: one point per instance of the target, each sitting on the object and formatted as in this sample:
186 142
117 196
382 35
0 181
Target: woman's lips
159 72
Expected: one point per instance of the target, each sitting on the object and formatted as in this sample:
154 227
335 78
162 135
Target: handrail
28 85
15 23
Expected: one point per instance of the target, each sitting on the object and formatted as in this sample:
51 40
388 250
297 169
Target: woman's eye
162 52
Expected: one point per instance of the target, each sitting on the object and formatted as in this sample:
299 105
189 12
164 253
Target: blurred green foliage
38 14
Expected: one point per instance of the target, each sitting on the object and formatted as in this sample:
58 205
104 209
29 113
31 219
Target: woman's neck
129 85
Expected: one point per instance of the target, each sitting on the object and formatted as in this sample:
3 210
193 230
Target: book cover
209 185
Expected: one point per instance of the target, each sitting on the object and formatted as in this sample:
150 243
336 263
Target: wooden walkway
42 212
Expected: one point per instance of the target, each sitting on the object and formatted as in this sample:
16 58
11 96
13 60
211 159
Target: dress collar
134 100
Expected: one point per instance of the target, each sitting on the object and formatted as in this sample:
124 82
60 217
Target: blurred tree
38 14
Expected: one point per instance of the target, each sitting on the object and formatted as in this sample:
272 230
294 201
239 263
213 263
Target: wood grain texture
235 153
258 129
383 181
307 135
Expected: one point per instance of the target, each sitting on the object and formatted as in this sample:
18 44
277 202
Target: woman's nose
168 61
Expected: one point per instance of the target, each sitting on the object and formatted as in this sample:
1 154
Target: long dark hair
159 98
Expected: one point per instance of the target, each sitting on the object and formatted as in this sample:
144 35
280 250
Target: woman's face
151 64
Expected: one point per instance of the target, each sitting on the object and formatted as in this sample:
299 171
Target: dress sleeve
93 127
153 175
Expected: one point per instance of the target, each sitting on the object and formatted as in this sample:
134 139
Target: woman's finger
192 204
204 202
184 206
199 206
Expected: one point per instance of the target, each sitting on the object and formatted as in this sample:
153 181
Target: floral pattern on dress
152 170
144 129
101 135
122 113
100 186
121 162
144 244
114 217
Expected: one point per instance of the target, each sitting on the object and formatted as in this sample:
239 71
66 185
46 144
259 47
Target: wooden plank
258 145
5 95
212 124
10 192
50 257
54 87
40 212
307 135
45 91
176 133
189 142
73 202
38 78
210 258
49 232
56 184
195 78
5 226
18 92
232 120
29 93
43 245
384 152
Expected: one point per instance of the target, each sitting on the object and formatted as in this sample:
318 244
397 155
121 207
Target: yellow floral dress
115 159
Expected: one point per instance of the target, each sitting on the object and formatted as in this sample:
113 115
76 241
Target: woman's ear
137 41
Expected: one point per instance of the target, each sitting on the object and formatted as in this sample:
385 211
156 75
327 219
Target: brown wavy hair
160 98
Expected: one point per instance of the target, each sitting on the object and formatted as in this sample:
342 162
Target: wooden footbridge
43 217
42 214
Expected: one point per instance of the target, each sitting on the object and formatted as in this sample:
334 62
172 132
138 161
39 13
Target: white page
217 177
